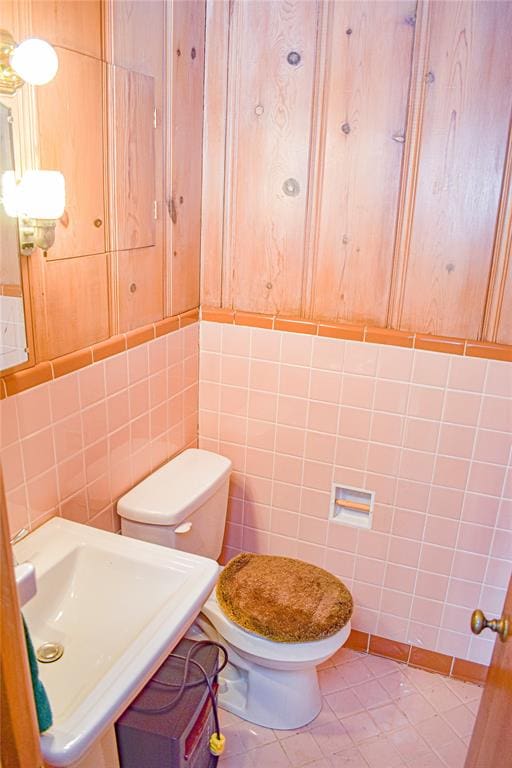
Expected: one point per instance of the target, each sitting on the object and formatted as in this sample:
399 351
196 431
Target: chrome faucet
18 536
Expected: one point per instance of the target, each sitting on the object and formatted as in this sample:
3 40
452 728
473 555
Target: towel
43 709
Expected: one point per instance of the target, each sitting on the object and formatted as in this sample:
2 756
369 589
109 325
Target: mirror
13 336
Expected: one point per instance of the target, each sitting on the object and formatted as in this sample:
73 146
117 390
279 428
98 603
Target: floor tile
355 672
440 696
270 756
346 654
348 758
331 737
461 720
332 679
381 753
409 743
376 713
436 731
416 708
344 703
397 684
360 727
453 754
389 717
301 749
427 760
371 694
255 736
466 692
245 760
379 666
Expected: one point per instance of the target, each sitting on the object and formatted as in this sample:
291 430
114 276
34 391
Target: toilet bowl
262 671
183 505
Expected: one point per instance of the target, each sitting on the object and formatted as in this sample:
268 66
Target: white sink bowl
118 606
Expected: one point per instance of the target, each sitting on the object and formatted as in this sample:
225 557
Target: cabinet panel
464 138
133 168
70 117
185 146
141 287
74 24
136 35
504 335
271 71
366 89
70 303
215 92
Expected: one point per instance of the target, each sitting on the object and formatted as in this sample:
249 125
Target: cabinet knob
479 623
98 223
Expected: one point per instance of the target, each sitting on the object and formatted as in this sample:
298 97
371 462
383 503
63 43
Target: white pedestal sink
118 606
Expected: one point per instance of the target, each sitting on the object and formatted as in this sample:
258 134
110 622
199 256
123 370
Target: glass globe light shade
10 194
35 61
42 195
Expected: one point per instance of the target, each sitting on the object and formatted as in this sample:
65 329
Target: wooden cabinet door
505 323
70 122
70 303
141 287
20 737
491 742
185 135
132 165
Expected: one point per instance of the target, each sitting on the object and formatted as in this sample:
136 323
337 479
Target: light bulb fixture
33 61
38 202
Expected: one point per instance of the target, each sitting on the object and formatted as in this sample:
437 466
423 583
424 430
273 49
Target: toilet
183 505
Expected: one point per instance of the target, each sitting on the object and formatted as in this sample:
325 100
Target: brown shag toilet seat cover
283 599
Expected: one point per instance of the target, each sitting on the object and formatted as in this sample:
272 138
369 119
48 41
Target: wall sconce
38 202
33 61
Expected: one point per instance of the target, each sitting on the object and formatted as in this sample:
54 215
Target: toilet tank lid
177 489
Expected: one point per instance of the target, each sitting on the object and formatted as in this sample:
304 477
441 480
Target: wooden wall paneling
367 88
214 147
134 40
184 146
465 127
498 311
8 16
70 120
75 25
134 36
20 734
141 287
70 303
270 113
317 148
410 161
133 159
504 330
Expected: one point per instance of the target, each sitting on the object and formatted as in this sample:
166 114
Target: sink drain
48 652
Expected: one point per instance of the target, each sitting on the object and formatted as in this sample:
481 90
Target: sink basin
118 606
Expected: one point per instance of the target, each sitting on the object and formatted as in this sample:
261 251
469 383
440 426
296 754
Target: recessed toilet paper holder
352 506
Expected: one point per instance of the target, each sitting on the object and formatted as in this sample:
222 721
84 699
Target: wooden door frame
20 734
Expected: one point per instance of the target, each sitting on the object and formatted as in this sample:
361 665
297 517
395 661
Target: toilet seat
282 654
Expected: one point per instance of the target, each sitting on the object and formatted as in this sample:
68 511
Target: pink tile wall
430 433
73 446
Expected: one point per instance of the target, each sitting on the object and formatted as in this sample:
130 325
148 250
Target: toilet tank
182 505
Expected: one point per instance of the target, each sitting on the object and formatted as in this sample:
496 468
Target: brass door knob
479 623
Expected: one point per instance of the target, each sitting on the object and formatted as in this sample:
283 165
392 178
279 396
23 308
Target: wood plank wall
123 122
357 163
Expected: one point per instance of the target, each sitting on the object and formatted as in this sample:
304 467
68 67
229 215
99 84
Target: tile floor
376 713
